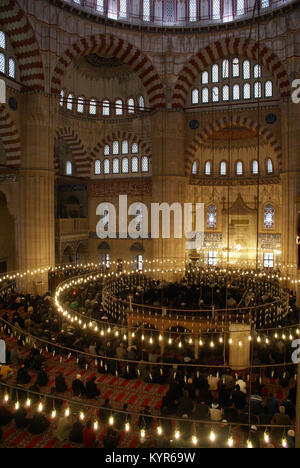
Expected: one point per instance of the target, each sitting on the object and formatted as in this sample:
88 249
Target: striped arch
10 138
15 24
109 45
223 49
97 151
225 122
77 149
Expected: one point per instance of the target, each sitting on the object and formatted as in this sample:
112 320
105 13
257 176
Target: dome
177 13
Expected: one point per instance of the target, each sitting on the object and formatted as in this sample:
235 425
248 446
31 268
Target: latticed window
116 166
145 164
268 88
257 90
269 216
235 68
211 217
246 91
246 70
105 108
215 73
69 168
192 10
11 67
216 9
97 167
146 10
255 167
236 92
62 96
125 165
123 8
268 260
130 106
141 103
2 63
106 163
265 3
240 7
134 148
100 6
215 94
257 71
195 96
225 68
195 168
225 93
116 147
269 166
80 105
223 168
125 147
134 164
119 107
70 102
106 150
207 169
93 107
2 40
205 77
205 97
239 168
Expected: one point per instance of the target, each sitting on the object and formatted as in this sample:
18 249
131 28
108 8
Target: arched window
204 77
268 89
236 92
125 166
70 102
246 69
269 165
105 108
205 97
134 164
269 216
257 90
134 148
215 94
223 168
116 147
225 68
80 105
211 217
2 63
97 167
11 68
130 105
207 168
62 96
106 150
2 40
195 168
125 147
246 91
141 103
255 167
215 73
145 164
239 168
225 93
257 71
119 107
235 68
116 166
93 107
195 96
69 168
106 164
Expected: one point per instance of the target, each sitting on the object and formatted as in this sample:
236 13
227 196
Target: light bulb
284 443
53 414
67 412
230 442
177 435
127 427
159 430
17 405
111 421
96 425
143 433
40 407
194 440
81 415
266 437
249 444
28 402
212 436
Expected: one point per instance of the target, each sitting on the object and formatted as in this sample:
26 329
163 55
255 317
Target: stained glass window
62 95
119 107
216 9
146 10
211 217
239 168
240 7
192 10
257 71
269 216
141 103
100 6
236 92
215 94
246 91
257 90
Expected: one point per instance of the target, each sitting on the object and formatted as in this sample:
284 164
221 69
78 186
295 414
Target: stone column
168 178
239 356
36 189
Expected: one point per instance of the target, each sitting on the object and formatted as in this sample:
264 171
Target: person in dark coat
111 439
145 419
23 378
238 398
91 389
42 378
76 432
78 387
38 424
60 384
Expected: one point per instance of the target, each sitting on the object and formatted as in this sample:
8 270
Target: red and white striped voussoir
10 138
111 46
15 24
206 132
78 152
223 49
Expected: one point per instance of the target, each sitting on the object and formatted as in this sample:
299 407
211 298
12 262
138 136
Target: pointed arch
109 45
22 37
223 49
238 121
77 149
10 138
